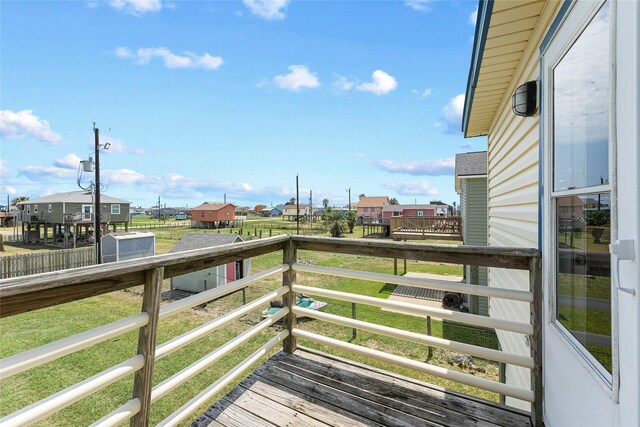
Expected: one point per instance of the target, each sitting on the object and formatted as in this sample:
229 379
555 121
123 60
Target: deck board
313 389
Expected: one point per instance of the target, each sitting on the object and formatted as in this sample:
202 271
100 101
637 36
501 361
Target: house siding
512 181
474 216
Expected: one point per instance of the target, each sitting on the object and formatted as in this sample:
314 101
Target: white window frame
28 209
35 209
49 208
115 206
574 23
419 213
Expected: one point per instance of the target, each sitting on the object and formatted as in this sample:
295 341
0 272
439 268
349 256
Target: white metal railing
26 360
33 292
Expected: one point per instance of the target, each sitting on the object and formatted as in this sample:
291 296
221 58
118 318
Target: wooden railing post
535 286
143 382
475 280
290 256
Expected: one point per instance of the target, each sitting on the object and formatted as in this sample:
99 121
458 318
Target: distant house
407 210
370 208
213 215
442 209
471 185
271 212
290 211
212 277
70 213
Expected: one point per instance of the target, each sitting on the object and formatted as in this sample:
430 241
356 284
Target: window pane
583 282
581 109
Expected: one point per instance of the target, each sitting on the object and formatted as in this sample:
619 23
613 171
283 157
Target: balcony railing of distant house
423 227
19 295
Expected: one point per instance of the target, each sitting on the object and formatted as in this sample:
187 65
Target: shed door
580 220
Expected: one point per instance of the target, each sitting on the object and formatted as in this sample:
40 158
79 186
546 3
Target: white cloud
431 167
426 93
117 146
267 9
421 5
7 189
361 156
144 55
452 113
136 7
473 18
4 170
381 84
121 177
41 173
341 83
412 188
299 77
25 124
70 161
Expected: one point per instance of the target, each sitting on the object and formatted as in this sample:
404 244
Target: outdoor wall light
524 102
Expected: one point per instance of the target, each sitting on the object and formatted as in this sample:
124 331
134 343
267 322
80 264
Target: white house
575 143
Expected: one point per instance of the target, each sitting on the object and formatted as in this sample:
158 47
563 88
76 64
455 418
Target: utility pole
297 206
96 225
349 190
159 209
311 208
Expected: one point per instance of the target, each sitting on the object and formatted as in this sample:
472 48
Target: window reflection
581 109
583 280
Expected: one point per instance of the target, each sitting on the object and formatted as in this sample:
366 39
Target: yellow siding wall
513 197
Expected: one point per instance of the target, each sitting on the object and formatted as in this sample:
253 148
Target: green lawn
30 330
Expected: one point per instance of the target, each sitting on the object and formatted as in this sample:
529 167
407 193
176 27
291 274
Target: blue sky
201 99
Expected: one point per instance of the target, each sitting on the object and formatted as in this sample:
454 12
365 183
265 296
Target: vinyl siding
513 190
473 199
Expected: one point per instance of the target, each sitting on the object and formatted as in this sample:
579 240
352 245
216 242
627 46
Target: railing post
535 286
474 280
143 382
290 256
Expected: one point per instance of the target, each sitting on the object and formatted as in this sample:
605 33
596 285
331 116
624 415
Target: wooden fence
427 225
44 262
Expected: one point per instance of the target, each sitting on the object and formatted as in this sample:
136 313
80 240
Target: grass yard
30 330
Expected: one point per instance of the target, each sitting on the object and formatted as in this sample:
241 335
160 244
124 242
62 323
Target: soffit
511 25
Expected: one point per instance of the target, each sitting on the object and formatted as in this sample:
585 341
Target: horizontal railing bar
120 415
220 291
20 362
442 285
205 395
47 406
26 293
473 350
462 378
202 330
175 380
414 309
488 256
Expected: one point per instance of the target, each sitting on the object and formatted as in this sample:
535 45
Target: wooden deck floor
312 389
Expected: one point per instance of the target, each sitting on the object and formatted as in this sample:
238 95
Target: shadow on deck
314 389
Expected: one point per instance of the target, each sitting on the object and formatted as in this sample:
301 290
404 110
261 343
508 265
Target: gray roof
192 241
471 164
124 235
74 197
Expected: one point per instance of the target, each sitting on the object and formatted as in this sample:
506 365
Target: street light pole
96 225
